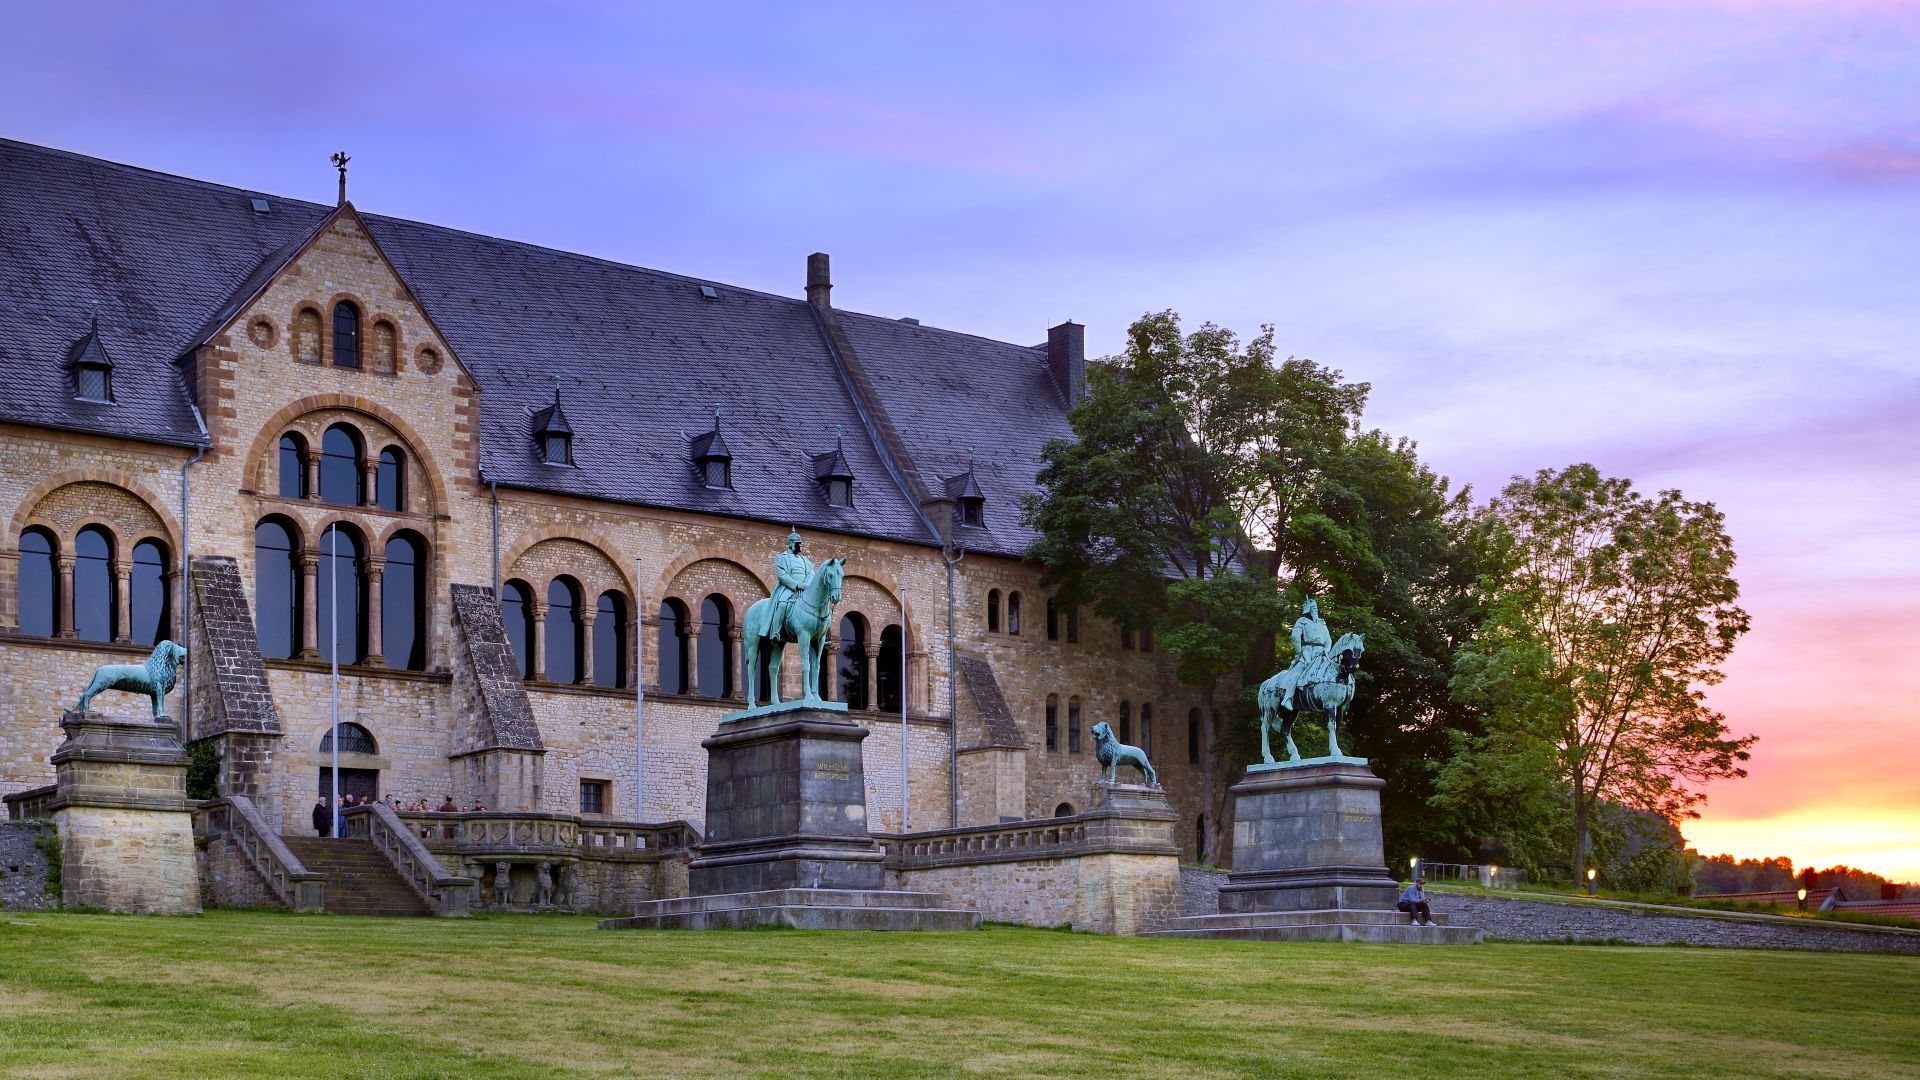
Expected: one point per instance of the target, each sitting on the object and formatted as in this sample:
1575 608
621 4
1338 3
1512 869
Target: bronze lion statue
154 678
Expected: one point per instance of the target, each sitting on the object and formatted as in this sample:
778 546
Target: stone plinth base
1309 864
126 835
805 909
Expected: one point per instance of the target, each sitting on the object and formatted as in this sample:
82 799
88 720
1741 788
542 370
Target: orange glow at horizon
1886 843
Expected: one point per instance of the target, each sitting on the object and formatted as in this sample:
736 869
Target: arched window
293 466
1126 637
1126 722
715 655
149 605
390 480
1065 809
1146 639
853 661
1073 626
346 335
306 336
1013 613
1146 729
1193 736
1199 838
343 596
887 679
993 611
276 588
1073 725
1053 723
385 346
672 650
39 582
1053 621
403 607
341 454
563 630
610 640
93 607
354 739
516 612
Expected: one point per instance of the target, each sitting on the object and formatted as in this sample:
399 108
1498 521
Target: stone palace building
273 429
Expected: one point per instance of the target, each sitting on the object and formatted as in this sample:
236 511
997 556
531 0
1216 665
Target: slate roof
640 356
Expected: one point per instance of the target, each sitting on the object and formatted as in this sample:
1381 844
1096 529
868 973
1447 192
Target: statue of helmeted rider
1311 643
792 571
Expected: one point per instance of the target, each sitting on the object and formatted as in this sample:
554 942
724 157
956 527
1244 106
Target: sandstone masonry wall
23 867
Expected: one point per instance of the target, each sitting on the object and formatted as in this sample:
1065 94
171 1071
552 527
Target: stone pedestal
787 840
120 806
1308 862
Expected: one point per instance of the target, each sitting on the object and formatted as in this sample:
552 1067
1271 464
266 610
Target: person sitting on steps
1413 901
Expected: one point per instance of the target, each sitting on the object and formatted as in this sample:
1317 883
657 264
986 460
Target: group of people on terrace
323 813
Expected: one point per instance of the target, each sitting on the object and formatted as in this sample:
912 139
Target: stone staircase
360 881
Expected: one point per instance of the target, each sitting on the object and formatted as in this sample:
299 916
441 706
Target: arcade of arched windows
342 334
569 615
95 563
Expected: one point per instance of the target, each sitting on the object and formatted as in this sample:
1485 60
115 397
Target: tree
1171 507
1608 610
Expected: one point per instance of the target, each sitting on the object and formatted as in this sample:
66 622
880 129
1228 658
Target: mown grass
265 994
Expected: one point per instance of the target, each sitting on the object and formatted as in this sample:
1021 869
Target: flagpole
333 655
639 693
903 711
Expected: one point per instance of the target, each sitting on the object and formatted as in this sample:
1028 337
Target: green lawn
246 994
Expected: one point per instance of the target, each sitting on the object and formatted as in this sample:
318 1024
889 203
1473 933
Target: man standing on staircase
322 817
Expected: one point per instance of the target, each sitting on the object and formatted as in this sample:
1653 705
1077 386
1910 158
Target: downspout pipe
953 684
186 582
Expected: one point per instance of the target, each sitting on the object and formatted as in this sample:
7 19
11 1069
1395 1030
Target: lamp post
1803 898
1591 874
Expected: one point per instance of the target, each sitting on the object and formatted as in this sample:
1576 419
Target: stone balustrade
238 821
32 803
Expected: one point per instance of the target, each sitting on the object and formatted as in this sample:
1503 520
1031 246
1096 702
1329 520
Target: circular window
261 332
428 358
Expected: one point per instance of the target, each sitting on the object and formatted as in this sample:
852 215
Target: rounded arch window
1052 728
1146 729
671 654
888 680
39 582
993 611
149 605
516 614
93 586
1065 809
1073 725
354 739
403 602
1126 722
276 588
342 614
293 466
390 480
1013 613
1193 736
610 640
342 478
853 660
346 335
306 336
563 630
716 647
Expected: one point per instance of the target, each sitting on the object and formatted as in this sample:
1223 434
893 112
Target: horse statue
807 622
153 678
1112 753
1331 696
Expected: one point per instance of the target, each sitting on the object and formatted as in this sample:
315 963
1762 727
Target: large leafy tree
1608 611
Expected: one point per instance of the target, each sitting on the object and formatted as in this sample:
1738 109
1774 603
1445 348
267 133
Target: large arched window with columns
149 606
93 585
563 630
853 660
39 594
342 466
403 606
671 653
341 595
276 588
716 647
293 466
516 613
610 640
390 480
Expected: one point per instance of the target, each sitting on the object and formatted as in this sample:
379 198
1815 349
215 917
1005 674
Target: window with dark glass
148 605
1126 638
293 466
342 479
839 491
610 640
993 611
1065 809
973 513
403 603
887 679
671 653
516 612
95 382
1013 614
343 597
593 796
389 480
1200 837
1146 730
1053 723
1126 722
853 662
346 335
93 607
1053 621
563 631
715 654
39 582
1073 725
276 590
1073 626
1146 639
354 739
1193 736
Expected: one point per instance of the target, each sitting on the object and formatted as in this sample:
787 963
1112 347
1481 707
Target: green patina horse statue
807 623
1331 696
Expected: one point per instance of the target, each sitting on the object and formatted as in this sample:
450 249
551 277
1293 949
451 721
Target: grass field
262 994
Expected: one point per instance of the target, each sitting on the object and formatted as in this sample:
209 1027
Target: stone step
803 917
1334 931
847 898
1298 918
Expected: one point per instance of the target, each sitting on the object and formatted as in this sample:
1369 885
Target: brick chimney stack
1067 358
819 280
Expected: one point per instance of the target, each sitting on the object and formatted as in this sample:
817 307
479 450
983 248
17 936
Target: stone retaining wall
23 867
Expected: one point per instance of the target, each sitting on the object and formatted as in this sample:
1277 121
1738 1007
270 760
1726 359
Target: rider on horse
1311 643
793 571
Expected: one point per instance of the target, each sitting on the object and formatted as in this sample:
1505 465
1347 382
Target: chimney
1067 358
819 280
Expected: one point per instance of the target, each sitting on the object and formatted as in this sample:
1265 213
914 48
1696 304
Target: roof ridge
1040 348
75 155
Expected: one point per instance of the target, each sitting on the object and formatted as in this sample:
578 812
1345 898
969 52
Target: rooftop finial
340 160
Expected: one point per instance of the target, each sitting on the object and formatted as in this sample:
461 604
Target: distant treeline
1725 874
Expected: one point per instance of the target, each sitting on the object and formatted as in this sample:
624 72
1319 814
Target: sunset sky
1680 240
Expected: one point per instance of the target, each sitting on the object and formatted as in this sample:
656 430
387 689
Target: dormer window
711 459
552 435
92 367
835 476
969 501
